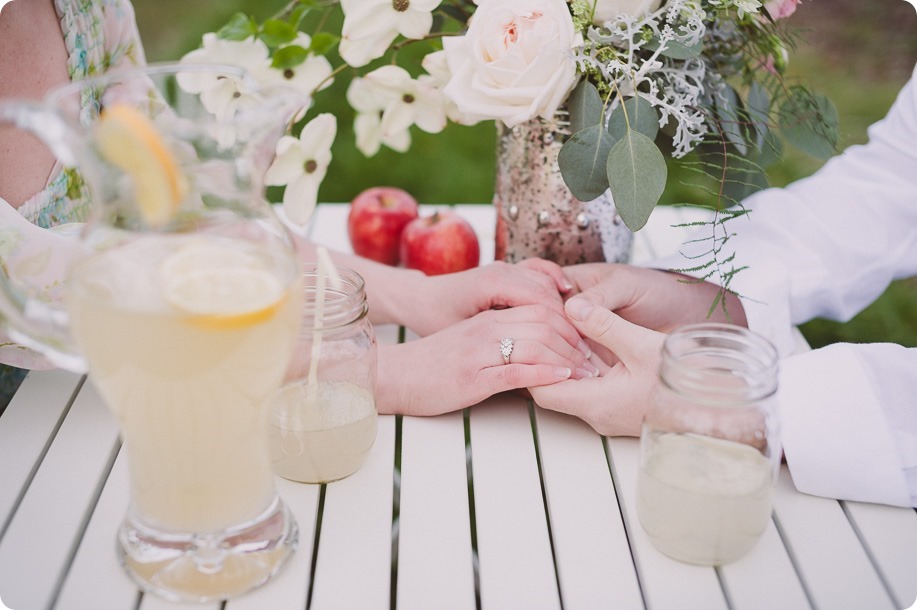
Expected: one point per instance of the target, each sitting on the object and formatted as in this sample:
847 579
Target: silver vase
536 213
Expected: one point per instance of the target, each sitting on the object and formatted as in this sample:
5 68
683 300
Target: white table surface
534 511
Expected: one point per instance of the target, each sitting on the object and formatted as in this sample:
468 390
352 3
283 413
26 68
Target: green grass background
858 53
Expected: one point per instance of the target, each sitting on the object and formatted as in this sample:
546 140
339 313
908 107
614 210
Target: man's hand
614 402
655 299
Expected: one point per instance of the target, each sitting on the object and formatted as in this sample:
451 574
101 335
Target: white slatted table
534 511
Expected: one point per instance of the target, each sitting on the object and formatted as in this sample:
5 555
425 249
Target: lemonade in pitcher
183 302
181 332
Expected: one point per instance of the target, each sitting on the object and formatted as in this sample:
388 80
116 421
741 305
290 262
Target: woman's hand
614 402
426 304
435 302
462 365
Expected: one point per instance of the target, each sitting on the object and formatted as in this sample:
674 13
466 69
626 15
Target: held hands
612 403
655 299
462 365
624 311
437 302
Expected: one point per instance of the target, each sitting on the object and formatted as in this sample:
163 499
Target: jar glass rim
342 305
721 363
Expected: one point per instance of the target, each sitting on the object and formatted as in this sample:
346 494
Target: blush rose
515 61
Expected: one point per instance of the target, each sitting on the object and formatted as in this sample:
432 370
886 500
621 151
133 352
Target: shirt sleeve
828 246
849 425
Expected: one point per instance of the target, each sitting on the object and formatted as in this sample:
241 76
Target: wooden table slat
355 541
831 561
765 578
37 544
511 523
435 567
90 582
891 534
594 564
25 429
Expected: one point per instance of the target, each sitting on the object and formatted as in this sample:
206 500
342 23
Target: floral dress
37 240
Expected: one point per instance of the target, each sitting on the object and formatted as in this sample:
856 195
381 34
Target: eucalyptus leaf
585 106
728 109
770 150
289 56
743 180
641 115
275 32
809 122
582 161
743 177
239 27
758 105
637 175
676 49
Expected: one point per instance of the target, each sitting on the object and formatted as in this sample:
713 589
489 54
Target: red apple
441 243
377 217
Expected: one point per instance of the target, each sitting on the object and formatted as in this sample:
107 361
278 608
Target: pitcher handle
29 321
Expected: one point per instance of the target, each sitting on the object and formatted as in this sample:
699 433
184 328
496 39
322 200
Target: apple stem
435 218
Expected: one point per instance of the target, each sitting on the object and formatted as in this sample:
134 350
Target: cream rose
515 61
608 10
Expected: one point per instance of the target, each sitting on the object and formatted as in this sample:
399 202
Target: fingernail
578 308
562 372
567 285
586 371
584 348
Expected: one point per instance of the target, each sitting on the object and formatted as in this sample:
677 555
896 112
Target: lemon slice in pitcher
128 140
217 295
223 298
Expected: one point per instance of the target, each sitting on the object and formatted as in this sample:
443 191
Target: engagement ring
506 349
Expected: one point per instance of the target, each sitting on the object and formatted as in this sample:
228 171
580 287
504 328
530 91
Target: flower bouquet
700 81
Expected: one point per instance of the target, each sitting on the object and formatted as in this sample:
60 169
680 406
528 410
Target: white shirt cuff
835 436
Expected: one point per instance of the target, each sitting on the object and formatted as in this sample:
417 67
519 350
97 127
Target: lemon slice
216 295
196 254
129 141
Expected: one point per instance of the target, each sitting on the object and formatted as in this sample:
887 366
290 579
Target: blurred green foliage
859 54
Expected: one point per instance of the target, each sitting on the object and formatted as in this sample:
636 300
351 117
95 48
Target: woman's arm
426 304
33 60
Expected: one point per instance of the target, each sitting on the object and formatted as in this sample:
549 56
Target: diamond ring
506 349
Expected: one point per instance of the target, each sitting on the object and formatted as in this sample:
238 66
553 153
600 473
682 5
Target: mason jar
710 445
323 420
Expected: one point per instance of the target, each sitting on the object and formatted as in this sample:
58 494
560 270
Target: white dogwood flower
301 165
222 94
368 129
388 102
370 26
309 77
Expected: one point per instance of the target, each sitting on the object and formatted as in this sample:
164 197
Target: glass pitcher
183 303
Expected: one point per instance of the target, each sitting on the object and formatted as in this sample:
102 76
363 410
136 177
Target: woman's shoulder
99 35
